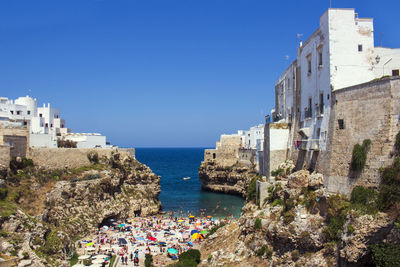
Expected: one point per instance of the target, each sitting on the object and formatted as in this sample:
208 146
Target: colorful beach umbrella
172 251
181 220
196 236
203 232
191 216
89 244
193 232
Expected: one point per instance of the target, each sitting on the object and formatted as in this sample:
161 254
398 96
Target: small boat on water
186 178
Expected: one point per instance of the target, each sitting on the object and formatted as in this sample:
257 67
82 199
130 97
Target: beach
162 236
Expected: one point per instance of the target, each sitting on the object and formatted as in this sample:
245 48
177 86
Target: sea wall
59 158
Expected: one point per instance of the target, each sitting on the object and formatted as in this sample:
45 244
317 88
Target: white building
45 123
339 54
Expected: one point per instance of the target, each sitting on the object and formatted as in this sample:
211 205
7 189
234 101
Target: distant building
45 124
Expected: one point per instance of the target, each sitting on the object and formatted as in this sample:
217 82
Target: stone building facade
16 139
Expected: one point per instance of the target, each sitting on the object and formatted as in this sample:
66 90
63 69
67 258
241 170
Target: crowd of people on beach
162 236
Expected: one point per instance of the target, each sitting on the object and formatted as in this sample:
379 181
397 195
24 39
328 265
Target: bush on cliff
148 261
66 143
359 157
364 200
389 192
20 163
338 206
252 190
386 254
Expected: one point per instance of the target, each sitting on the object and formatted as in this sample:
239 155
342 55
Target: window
359 48
395 72
18 112
321 103
318 133
47 125
25 123
214 156
327 96
62 125
29 112
40 115
309 65
12 112
341 124
51 125
320 58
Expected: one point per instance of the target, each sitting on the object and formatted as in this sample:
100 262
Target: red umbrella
152 238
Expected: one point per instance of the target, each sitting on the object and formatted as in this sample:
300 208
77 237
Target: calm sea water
179 195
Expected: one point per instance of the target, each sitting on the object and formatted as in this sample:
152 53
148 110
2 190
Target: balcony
319 112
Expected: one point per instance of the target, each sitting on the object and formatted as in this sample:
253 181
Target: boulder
316 180
299 179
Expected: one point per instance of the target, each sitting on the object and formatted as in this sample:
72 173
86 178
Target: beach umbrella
122 241
84 257
181 220
89 244
195 236
203 232
209 217
152 238
172 251
190 243
193 232
163 243
191 216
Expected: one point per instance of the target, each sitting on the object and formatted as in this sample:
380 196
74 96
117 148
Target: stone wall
227 151
59 158
276 158
369 111
247 157
4 156
17 138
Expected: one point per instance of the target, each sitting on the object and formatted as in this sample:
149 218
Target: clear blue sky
161 73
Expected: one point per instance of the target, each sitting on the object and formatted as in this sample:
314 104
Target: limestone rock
316 181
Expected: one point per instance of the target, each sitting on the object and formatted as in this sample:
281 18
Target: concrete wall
276 138
43 140
369 111
59 158
4 156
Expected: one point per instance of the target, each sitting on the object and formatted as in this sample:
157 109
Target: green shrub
277 202
389 192
364 200
191 255
338 207
66 143
288 216
386 254
257 223
264 250
93 157
252 190
273 193
278 172
397 143
359 157
350 229
295 255
20 164
74 259
3 193
309 200
148 260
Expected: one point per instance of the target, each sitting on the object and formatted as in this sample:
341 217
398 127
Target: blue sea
183 196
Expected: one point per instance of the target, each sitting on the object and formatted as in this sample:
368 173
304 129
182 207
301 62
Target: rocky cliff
230 180
43 211
299 224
